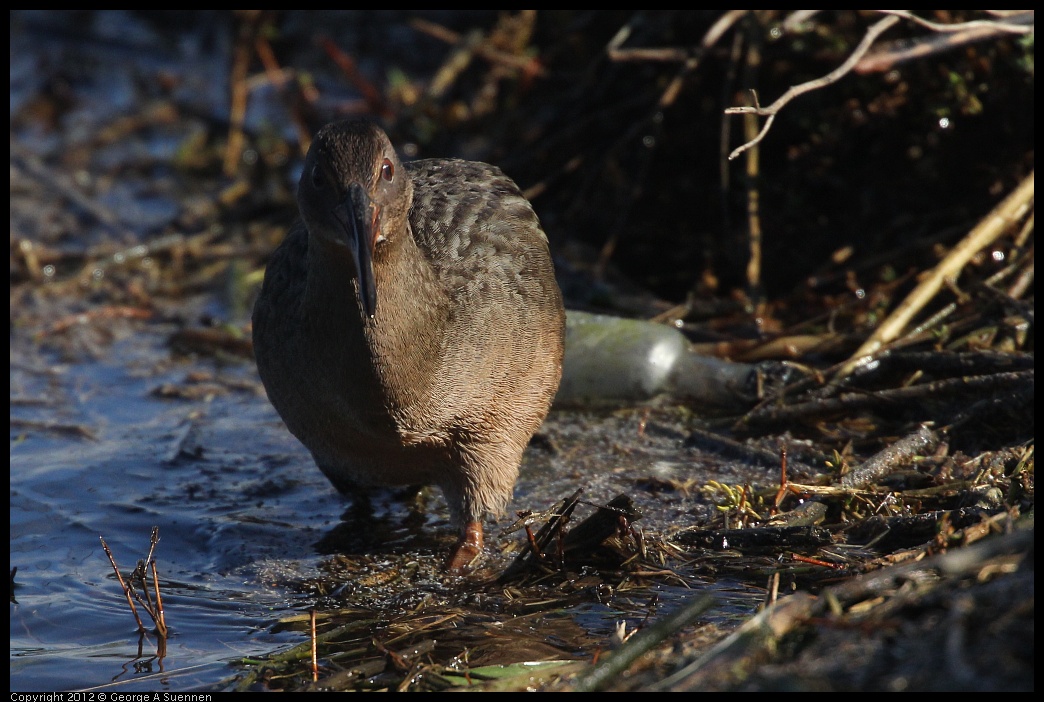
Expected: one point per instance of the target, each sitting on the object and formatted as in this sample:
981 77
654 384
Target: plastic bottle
613 360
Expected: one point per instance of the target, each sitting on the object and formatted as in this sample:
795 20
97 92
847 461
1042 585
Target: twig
1024 279
153 541
161 620
781 493
315 658
936 319
754 230
123 584
140 573
871 36
794 20
969 31
614 52
950 36
455 64
891 459
559 517
993 25
374 100
665 54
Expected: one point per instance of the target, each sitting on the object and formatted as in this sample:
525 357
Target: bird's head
354 195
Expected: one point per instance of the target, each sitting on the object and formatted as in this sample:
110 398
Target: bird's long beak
360 218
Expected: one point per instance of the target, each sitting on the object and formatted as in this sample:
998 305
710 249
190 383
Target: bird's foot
467 549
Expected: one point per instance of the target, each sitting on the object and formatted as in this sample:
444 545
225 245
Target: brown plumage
409 329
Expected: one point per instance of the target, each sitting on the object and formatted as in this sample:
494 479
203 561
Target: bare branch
967 31
992 25
871 36
946 38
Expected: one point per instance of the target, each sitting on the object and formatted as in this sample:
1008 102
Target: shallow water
70 625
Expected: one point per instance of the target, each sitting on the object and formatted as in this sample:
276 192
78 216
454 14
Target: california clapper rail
409 330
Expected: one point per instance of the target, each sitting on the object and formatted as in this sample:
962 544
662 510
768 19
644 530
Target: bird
409 329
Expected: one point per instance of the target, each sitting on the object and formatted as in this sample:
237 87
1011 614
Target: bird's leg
468 547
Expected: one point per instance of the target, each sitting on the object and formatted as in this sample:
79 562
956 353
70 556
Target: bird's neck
403 342
412 308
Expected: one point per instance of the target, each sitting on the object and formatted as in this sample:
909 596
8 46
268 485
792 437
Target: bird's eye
318 179
387 170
